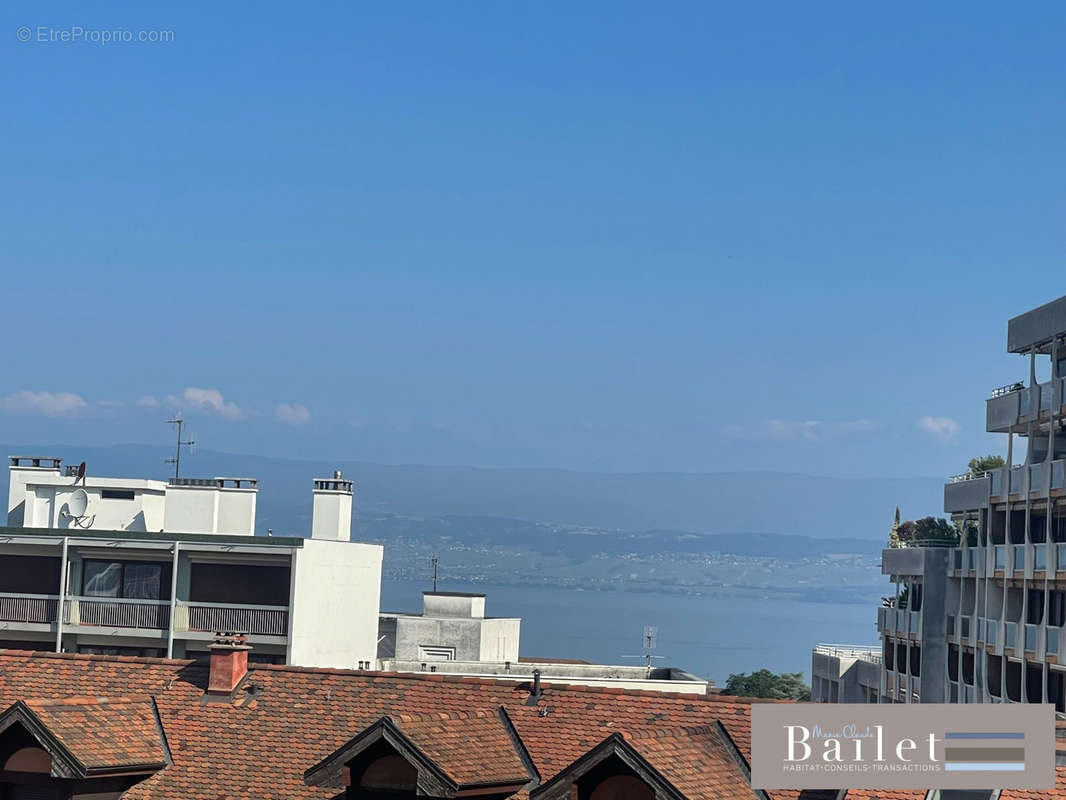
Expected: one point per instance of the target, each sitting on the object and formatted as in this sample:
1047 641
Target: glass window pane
142 581
102 578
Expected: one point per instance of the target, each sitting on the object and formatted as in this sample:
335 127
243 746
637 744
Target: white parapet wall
211 505
335 602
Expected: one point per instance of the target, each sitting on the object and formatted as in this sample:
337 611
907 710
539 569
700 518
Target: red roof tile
284 720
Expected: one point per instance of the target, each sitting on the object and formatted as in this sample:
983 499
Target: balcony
1010 405
116 612
210 617
29 608
189 618
1010 636
967 492
1040 557
1019 558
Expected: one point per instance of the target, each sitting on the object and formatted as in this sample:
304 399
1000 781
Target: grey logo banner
902 746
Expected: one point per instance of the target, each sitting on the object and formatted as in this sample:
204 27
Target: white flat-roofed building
155 568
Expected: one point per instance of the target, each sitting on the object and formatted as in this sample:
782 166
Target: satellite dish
78 503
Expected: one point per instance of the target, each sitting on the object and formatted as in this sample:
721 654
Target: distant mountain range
782 503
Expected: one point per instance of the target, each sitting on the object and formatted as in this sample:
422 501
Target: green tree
935 529
981 464
907 532
893 532
763 683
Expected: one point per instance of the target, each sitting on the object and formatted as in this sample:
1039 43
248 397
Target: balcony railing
116 612
1040 557
951 625
965 626
1010 636
1051 645
1019 558
210 617
28 607
1017 386
1001 556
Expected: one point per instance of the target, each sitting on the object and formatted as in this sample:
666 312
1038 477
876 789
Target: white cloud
791 430
944 429
48 404
212 401
292 414
148 401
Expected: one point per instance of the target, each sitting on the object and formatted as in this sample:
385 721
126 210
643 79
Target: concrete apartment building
985 622
155 568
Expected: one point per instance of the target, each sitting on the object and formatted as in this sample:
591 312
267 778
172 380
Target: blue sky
700 237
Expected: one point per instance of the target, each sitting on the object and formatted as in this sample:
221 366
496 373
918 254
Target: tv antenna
75 509
434 562
651 638
176 461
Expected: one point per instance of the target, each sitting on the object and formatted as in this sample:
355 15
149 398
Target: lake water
708 636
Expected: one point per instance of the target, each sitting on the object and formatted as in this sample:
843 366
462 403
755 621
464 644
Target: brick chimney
229 662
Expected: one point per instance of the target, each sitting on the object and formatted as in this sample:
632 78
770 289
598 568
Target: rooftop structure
451 627
69 583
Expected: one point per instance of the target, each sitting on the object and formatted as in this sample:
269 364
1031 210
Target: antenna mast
176 461
650 640
434 561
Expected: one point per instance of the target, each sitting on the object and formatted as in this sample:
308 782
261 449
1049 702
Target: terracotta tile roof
1058 793
886 794
470 748
695 761
82 733
284 720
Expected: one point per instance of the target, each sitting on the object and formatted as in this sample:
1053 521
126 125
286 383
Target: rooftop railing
865 652
968 476
1017 386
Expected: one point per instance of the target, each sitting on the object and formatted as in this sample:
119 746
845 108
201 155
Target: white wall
46 499
335 602
499 639
210 509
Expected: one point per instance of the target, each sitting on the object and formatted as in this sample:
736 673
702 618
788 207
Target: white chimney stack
331 515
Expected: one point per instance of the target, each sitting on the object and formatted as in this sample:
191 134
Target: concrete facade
846 674
451 627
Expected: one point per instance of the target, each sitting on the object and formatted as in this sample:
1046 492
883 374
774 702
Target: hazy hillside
783 503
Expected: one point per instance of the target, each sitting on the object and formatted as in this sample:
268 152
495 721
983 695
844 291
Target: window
435 653
116 494
134 580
